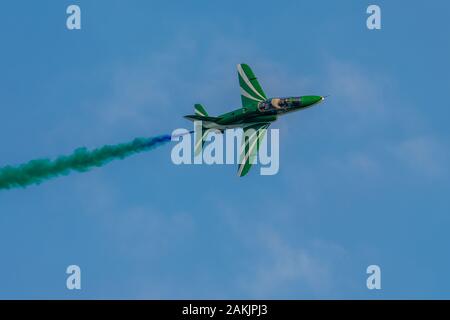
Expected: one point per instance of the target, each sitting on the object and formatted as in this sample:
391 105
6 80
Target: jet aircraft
257 113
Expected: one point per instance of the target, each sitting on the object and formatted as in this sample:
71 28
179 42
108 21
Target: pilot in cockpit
278 103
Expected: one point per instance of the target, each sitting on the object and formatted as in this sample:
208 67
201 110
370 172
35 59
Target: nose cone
310 100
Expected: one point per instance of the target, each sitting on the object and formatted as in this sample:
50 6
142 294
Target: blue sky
363 178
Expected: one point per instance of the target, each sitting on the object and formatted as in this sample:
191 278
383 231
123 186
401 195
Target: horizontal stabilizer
195 117
200 110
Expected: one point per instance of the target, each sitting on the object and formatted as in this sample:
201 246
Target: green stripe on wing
251 91
251 141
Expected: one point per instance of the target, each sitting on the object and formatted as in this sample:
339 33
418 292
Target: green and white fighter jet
255 116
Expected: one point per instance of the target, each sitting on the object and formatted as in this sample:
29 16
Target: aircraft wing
251 140
251 91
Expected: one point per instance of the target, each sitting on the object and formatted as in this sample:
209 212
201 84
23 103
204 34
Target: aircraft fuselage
265 112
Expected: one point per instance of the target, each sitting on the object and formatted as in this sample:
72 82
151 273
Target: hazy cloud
423 155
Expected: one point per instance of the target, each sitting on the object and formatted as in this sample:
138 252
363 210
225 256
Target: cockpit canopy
279 104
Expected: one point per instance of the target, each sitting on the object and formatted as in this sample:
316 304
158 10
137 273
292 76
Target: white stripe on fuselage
214 125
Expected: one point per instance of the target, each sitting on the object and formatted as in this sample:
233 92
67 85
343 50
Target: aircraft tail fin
200 110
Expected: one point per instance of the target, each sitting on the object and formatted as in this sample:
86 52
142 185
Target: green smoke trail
81 160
